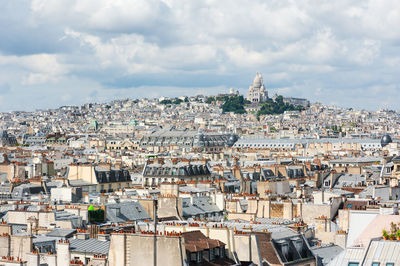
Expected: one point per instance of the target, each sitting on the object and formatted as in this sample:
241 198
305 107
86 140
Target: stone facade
257 92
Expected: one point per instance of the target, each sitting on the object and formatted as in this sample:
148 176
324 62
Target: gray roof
18 229
60 232
327 253
204 204
264 142
90 245
378 250
383 251
180 169
185 137
128 211
76 220
191 211
188 189
355 160
277 231
353 254
41 238
350 180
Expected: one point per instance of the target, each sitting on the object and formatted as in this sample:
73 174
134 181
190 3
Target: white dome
258 80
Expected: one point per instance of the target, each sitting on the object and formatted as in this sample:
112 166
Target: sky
70 52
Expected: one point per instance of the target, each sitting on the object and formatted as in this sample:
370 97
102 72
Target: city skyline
188 133
70 53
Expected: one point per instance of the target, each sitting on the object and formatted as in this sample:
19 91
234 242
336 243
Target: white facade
257 92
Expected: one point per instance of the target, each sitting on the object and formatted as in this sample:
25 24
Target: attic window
298 244
138 209
285 249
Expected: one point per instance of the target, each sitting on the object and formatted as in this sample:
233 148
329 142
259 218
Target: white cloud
366 53
36 69
310 47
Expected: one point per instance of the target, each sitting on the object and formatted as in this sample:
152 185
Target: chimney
103 237
63 253
33 259
82 235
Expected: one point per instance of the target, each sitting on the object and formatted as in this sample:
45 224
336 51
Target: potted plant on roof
398 234
392 236
393 228
385 234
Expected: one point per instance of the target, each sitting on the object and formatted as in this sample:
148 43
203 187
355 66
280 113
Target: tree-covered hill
277 106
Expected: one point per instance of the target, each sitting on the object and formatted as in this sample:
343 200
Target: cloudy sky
61 52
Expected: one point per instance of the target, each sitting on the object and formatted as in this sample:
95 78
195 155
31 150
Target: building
104 177
296 101
257 92
310 146
168 139
38 140
377 252
6 139
200 248
157 172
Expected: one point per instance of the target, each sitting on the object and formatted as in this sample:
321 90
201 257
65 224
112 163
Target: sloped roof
267 250
90 245
61 232
197 241
327 253
128 211
204 204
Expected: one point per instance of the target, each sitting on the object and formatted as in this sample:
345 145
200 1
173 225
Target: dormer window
117 211
285 249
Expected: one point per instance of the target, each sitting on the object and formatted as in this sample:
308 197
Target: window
212 254
285 249
375 264
216 252
353 264
222 252
389 264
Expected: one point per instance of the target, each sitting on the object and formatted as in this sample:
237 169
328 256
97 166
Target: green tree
210 100
234 104
277 106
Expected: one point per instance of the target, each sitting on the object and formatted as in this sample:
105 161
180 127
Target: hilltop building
257 92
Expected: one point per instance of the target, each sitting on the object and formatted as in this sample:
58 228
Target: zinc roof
90 245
